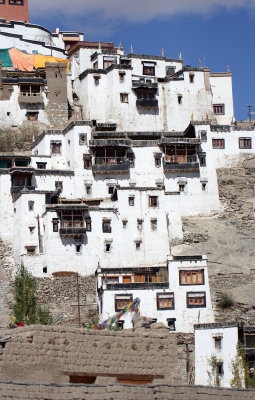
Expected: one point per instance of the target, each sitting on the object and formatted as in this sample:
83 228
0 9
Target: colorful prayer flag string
107 324
15 323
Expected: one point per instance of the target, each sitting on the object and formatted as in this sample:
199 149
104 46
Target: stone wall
42 354
60 294
9 390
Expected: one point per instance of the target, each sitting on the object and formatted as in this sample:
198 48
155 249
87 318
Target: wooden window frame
149 70
124 98
55 222
59 186
245 141
151 202
131 201
41 165
192 272
87 160
154 224
218 144
82 139
219 109
122 303
88 223
192 301
106 277
106 225
56 147
170 304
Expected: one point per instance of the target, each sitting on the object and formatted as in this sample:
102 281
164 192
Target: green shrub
225 301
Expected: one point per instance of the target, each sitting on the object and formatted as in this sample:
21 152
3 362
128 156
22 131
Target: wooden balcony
111 165
181 164
72 231
147 103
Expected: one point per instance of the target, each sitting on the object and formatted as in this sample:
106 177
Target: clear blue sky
218 36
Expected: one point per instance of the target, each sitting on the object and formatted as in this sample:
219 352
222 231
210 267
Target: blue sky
201 29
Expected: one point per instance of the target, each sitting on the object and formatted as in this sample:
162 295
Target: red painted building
14 10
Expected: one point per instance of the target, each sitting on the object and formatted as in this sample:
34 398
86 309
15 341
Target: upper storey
14 10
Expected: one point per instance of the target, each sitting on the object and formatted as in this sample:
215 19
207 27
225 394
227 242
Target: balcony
147 103
111 165
25 98
145 85
189 165
73 231
138 285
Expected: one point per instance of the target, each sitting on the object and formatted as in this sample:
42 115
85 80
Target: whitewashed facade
219 343
176 294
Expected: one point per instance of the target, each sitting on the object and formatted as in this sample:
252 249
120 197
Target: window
219 109
45 270
31 205
170 70
108 61
124 223
2 1
171 323
179 98
122 76
203 136
140 225
32 116
121 301
55 224
108 247
191 78
30 250
127 279
153 201
16 2
110 280
56 147
30 90
97 80
218 143
204 186
59 186
148 68
111 189
245 143
219 368
165 301
106 226
87 161
41 165
82 139
154 224
124 97
196 299
202 160
88 224
218 342
31 229
131 201
157 160
188 277
88 189
138 244
95 65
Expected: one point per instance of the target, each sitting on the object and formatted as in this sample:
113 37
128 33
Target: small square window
153 201
41 165
154 224
56 147
106 226
82 139
95 65
181 187
165 301
180 99
78 248
121 301
218 143
55 224
191 277
138 245
219 368
140 225
108 247
218 342
171 324
31 229
31 205
148 68
131 201
123 97
110 189
32 116
245 143
124 223
196 299
202 160
219 109
191 78
204 186
31 251
59 186
203 136
88 224
88 189
45 270
96 80
157 160
122 76
87 161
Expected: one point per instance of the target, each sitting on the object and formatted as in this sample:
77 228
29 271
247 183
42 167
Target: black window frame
245 139
117 309
171 295
189 295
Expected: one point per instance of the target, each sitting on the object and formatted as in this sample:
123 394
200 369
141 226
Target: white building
216 348
176 294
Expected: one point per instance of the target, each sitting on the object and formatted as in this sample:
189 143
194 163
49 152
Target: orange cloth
21 61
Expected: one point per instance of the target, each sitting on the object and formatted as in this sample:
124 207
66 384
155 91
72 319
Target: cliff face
229 240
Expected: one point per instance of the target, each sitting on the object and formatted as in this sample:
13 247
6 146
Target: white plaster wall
221 86
6 208
205 349
185 317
